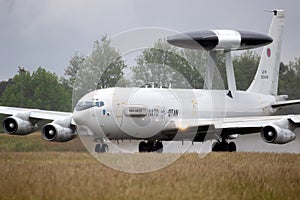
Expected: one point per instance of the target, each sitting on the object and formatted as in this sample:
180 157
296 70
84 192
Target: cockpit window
99 103
83 105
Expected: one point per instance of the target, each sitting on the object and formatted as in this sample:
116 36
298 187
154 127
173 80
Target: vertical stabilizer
266 77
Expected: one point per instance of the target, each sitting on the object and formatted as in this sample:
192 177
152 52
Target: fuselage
141 113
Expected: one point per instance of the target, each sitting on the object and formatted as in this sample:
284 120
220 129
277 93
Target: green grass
35 143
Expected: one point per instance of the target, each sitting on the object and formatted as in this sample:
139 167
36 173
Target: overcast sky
48 32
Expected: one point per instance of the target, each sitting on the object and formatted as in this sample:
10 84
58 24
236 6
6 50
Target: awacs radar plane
154 115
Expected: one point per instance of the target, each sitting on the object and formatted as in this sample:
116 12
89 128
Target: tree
102 68
74 66
245 66
289 79
41 89
19 92
219 78
163 65
197 61
3 85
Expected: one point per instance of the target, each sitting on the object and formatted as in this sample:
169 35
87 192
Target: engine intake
56 133
17 126
277 135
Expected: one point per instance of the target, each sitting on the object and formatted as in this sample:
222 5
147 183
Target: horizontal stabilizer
285 103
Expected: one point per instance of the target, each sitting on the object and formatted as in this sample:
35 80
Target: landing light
182 126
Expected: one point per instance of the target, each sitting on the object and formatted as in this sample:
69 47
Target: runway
245 143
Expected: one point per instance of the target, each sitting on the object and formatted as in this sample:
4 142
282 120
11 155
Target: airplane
154 115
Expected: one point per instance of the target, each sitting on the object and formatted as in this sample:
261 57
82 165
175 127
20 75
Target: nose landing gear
101 147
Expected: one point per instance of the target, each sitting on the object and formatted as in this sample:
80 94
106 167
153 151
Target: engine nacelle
56 133
16 126
277 135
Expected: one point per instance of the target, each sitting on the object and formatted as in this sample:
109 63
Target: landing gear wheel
216 146
223 146
158 147
231 147
151 146
142 147
98 148
101 148
104 148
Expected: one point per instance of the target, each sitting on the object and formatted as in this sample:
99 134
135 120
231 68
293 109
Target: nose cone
202 40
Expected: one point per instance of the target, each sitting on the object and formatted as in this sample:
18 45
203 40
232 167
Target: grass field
65 174
68 175
35 143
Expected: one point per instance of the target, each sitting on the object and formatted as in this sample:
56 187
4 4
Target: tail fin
266 77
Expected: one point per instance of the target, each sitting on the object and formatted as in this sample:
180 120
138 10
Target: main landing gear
150 146
223 146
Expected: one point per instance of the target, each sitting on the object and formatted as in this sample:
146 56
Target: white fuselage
141 113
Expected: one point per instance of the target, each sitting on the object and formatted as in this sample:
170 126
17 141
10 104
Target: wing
282 127
233 122
23 121
280 104
260 122
35 113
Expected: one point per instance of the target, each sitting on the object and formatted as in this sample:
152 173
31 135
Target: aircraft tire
150 146
142 147
159 147
104 148
216 146
231 147
98 148
223 147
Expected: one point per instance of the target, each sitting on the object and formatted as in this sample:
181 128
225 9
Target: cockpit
83 105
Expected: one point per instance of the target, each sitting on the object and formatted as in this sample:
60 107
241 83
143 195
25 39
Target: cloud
48 32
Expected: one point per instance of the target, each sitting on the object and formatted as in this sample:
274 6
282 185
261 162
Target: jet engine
17 126
56 133
277 135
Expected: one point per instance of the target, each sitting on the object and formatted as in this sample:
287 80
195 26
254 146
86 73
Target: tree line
163 65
